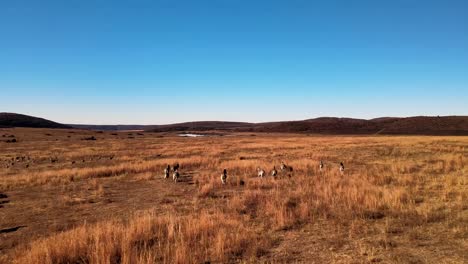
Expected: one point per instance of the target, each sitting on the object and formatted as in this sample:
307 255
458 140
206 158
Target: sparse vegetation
400 199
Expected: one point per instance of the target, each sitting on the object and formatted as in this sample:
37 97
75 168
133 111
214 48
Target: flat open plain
66 198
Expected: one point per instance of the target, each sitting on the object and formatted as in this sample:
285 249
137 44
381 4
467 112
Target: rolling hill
417 125
19 120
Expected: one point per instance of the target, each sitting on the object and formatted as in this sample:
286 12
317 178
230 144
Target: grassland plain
66 198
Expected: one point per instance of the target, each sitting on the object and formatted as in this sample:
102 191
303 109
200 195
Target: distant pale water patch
191 135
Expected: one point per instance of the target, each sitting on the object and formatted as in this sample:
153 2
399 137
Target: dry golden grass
149 238
400 199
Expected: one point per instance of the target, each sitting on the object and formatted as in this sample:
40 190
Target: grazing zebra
175 175
321 165
260 172
176 166
341 167
285 167
274 172
166 171
224 176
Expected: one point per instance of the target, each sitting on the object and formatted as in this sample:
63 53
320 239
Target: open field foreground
66 198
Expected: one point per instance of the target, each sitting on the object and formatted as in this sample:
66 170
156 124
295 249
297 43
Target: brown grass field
401 199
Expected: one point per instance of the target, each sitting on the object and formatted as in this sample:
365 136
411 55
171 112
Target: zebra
321 165
341 167
260 172
166 171
285 167
176 166
224 177
274 172
175 175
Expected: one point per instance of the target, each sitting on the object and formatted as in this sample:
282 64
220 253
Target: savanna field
77 196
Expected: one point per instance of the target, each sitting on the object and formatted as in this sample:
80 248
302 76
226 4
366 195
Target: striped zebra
282 166
285 167
260 172
224 176
175 175
167 170
341 167
274 172
321 166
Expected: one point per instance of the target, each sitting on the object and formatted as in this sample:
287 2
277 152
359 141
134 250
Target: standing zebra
321 165
224 176
176 166
166 171
260 172
175 175
341 167
283 166
286 168
274 172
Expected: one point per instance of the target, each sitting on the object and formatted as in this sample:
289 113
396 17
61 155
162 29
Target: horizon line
230 121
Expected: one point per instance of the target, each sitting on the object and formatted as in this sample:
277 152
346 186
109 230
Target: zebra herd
260 172
175 172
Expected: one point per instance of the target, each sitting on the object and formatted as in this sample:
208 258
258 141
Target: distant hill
322 125
18 120
417 125
427 125
110 127
198 126
203 126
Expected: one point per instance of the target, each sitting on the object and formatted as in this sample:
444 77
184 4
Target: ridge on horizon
416 125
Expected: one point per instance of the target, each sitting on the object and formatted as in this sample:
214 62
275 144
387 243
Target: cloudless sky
157 62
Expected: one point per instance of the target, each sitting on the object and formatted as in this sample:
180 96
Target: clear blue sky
156 62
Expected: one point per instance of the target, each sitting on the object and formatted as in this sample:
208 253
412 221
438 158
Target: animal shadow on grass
3 196
9 230
187 178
